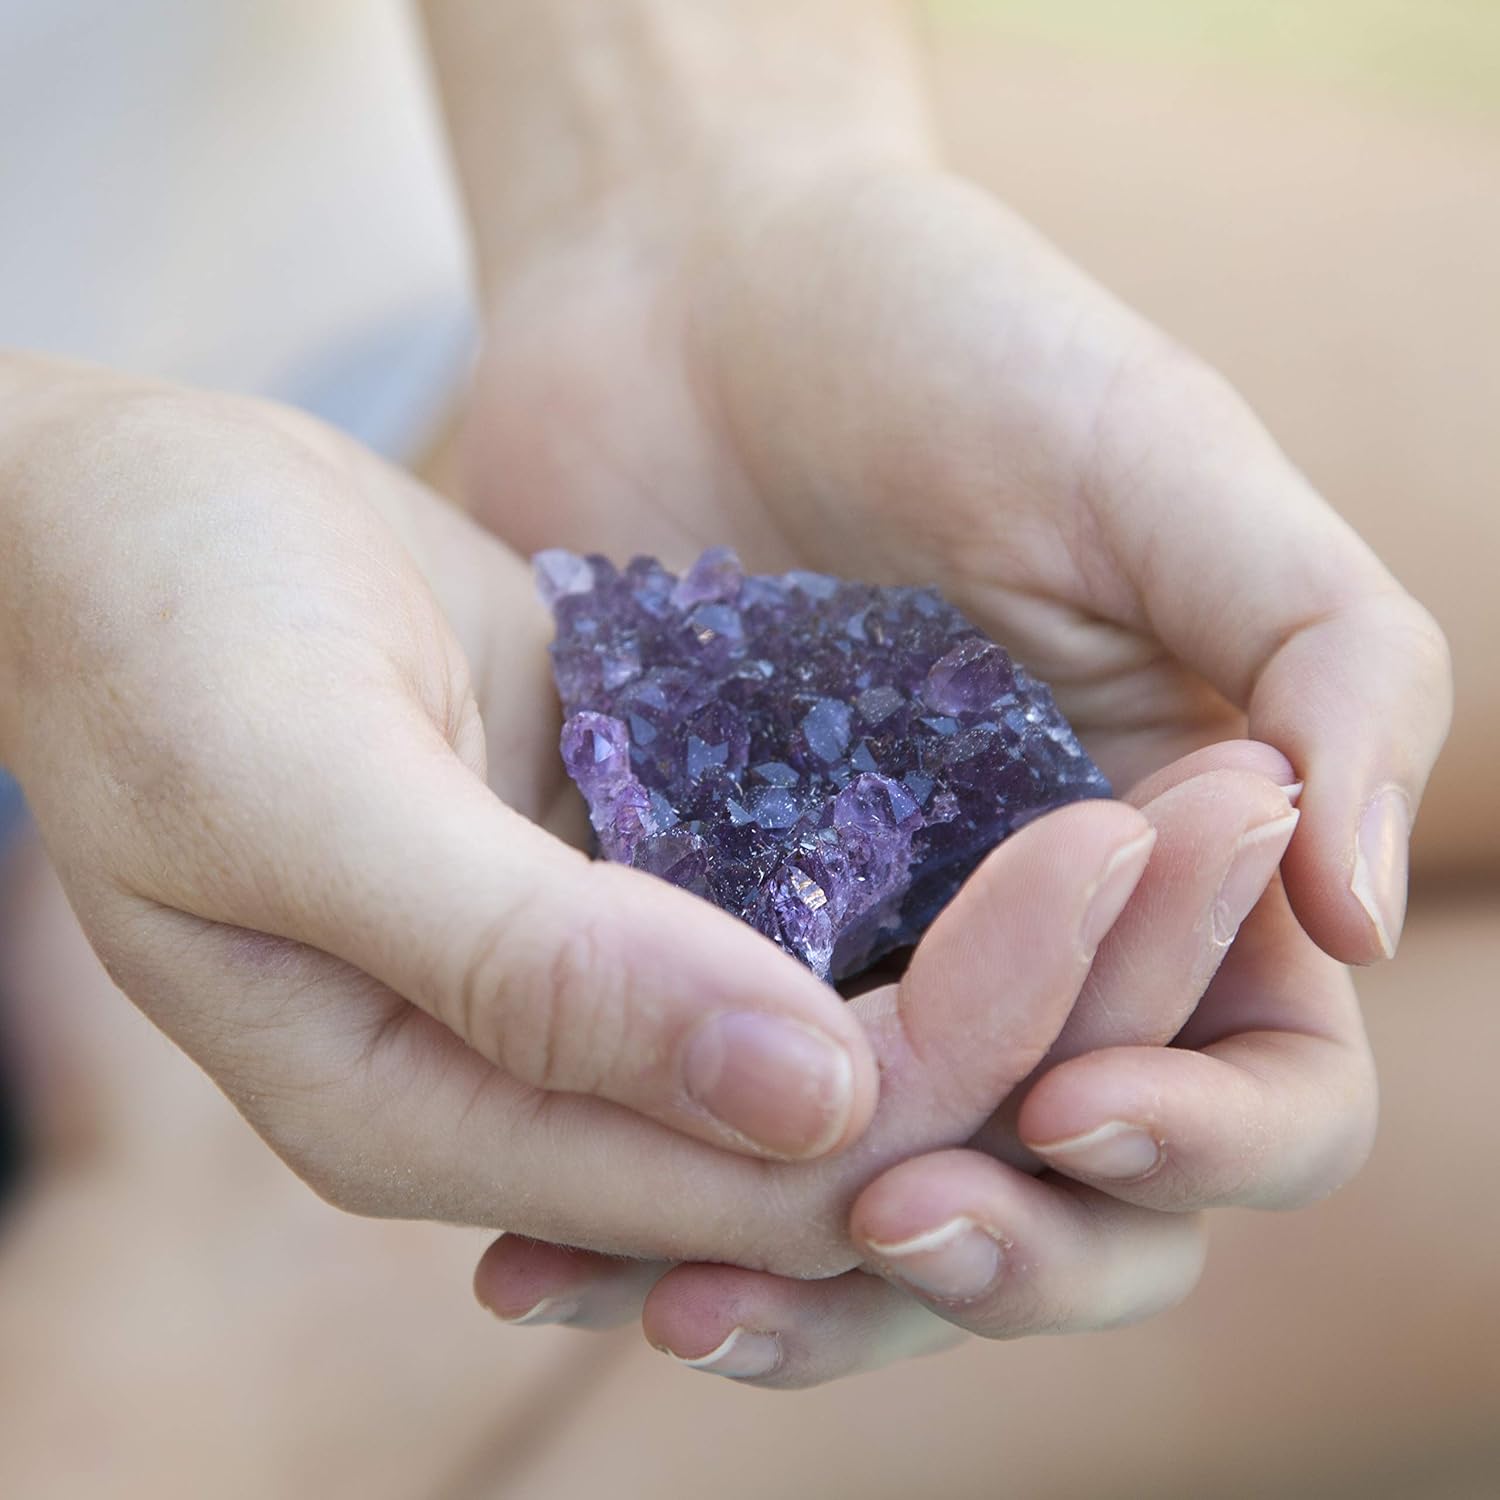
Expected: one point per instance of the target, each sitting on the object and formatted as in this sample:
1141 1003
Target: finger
529 1282
1286 611
1274 1121
384 1111
1226 755
1002 1254
781 1334
982 1000
1153 969
1219 838
1276 1109
570 976
993 980
963 1243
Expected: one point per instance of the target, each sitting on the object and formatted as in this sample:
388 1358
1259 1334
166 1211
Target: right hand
250 730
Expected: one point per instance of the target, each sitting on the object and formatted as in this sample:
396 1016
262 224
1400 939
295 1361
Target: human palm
889 376
884 374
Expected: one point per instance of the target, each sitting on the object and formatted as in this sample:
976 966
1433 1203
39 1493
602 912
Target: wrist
571 115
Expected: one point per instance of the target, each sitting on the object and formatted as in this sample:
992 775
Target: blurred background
255 196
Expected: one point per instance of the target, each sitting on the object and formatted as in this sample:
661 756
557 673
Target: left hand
878 371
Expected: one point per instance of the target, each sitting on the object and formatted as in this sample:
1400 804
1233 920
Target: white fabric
250 194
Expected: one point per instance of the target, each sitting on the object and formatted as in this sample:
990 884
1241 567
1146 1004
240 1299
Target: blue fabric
392 384
11 808
12 1141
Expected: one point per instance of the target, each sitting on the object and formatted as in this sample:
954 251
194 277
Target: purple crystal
826 759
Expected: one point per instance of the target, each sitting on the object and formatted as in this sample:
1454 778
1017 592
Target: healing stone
826 759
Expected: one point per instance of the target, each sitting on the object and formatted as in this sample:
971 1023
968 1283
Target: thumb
568 975
994 979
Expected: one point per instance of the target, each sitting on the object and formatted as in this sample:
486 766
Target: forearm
560 110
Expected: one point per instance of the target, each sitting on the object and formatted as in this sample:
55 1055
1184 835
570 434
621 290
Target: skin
309 670
842 356
244 666
1274 1051
277 712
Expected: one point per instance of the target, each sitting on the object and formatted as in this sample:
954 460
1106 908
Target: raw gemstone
826 759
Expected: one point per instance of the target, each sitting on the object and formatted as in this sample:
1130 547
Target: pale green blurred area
1444 52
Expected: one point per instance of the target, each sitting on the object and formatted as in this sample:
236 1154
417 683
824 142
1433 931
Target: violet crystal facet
826 759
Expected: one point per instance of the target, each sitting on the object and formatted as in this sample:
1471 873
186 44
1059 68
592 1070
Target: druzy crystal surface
826 759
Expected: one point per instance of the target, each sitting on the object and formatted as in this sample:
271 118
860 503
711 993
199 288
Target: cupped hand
882 372
260 679
254 683
885 374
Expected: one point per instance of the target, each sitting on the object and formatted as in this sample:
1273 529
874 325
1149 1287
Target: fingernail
548 1310
782 1086
1116 1151
1253 863
1380 858
1294 792
956 1262
1116 882
742 1356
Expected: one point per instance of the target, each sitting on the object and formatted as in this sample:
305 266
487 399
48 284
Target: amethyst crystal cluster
826 759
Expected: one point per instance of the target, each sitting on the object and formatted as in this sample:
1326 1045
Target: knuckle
1160 374
1035 1298
1323 1147
1432 654
551 1016
1124 1284
477 1006
1345 1150
579 1023
1016 1313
